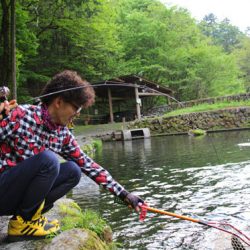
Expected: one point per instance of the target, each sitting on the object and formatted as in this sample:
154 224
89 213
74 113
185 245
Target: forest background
103 39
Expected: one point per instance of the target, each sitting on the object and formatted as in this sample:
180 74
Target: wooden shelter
129 87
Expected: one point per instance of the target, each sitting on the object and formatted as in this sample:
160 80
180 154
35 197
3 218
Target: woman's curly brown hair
82 93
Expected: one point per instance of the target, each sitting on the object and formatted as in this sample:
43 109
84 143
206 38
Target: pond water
201 177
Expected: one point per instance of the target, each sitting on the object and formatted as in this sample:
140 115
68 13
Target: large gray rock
75 239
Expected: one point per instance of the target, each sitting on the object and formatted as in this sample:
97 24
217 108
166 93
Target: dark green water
206 178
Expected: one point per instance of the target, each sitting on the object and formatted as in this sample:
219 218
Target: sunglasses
77 108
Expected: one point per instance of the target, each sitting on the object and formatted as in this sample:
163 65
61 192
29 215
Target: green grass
97 144
208 107
197 132
88 219
99 128
75 217
91 147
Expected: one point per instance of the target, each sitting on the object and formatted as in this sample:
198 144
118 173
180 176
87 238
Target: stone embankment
160 110
230 118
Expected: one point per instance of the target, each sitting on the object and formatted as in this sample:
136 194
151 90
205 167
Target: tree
7 42
75 35
104 39
5 71
243 57
13 47
209 25
222 33
166 46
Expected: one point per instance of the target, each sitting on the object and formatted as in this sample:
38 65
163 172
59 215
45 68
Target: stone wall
160 110
230 118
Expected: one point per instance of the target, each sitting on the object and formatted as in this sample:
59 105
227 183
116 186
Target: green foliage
243 58
88 149
27 45
222 33
234 43
196 132
208 107
27 41
78 36
167 46
97 144
91 147
103 39
76 218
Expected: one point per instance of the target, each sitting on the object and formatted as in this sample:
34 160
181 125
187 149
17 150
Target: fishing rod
236 233
4 92
114 84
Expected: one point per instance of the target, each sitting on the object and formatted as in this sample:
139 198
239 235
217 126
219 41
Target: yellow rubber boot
38 214
37 227
54 222
20 229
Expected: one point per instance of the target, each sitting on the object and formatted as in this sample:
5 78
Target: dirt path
100 129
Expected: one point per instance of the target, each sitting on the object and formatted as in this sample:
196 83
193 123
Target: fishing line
237 235
113 84
117 84
214 148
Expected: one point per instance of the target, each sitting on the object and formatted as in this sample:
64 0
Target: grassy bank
208 107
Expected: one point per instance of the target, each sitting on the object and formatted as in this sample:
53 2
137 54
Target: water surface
201 177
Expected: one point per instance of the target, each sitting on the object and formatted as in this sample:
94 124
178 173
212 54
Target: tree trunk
5 71
13 49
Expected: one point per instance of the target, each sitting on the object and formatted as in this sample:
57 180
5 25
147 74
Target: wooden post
110 106
138 103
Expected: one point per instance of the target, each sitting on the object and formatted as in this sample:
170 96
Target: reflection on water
205 177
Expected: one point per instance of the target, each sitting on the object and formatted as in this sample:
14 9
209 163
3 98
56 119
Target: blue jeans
24 187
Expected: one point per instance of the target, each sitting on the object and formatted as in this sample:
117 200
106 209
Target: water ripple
181 175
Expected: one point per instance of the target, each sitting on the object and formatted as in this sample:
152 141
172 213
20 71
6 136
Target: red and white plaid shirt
24 134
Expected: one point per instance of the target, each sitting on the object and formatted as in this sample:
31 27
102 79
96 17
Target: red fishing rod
225 227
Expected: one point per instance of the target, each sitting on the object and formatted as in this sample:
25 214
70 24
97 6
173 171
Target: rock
210 120
107 235
4 220
76 239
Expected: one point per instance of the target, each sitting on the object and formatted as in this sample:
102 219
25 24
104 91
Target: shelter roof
123 87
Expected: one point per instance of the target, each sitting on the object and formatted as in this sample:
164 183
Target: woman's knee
74 171
50 162
49 155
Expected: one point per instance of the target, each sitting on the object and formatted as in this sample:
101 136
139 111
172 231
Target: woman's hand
6 107
134 201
